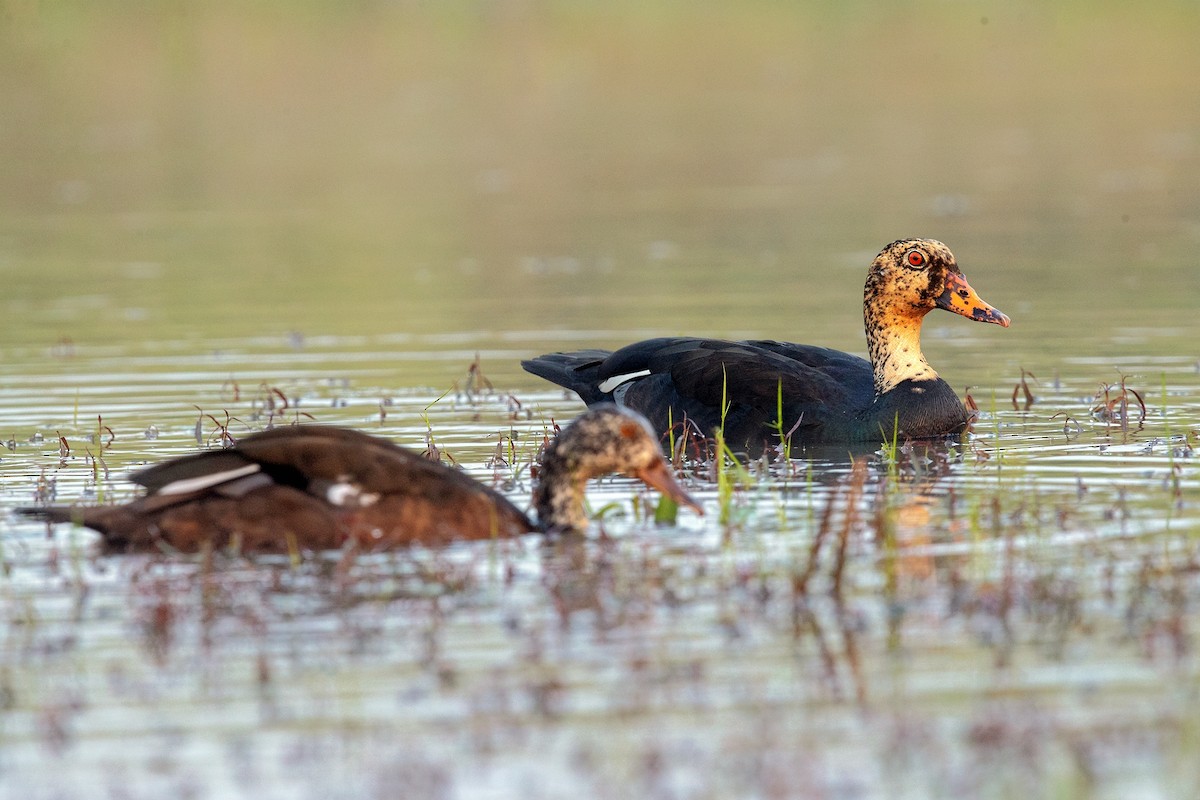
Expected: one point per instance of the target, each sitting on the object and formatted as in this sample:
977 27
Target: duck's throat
559 497
894 343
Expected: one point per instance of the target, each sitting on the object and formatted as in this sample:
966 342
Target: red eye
916 258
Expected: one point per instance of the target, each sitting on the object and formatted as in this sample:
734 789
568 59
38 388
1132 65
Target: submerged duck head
605 438
908 279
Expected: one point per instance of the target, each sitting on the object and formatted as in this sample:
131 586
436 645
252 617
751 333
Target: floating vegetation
1022 388
1113 405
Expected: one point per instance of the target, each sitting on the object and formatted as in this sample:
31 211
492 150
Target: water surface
215 217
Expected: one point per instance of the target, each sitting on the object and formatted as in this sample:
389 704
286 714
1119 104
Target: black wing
668 378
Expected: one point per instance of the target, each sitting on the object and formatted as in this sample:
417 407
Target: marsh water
214 218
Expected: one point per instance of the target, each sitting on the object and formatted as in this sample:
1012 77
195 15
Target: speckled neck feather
894 345
895 301
559 495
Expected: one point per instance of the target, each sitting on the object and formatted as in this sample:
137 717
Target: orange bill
960 298
658 476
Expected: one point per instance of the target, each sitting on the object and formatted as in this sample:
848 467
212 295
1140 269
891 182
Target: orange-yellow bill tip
658 476
960 298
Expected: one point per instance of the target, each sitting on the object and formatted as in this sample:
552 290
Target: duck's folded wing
342 466
745 374
193 473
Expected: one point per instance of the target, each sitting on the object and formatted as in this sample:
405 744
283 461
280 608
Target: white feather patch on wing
186 485
608 384
349 494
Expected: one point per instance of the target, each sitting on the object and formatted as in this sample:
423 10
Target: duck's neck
559 495
894 344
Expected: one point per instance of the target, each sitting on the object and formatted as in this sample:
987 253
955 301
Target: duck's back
824 394
302 487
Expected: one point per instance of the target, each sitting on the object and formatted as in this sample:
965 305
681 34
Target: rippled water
1017 609
227 218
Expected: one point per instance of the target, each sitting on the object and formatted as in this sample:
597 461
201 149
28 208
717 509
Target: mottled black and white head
911 277
604 439
908 279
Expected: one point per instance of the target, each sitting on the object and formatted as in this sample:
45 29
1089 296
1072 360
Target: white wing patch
343 493
186 485
608 384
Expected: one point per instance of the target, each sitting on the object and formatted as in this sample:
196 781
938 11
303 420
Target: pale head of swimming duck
602 440
908 279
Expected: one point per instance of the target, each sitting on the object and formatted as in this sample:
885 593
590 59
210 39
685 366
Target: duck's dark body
769 388
830 394
392 497
314 487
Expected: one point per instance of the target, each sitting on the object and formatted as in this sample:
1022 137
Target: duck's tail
107 520
52 513
577 371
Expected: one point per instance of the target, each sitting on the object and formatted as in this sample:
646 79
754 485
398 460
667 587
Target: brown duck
826 396
314 487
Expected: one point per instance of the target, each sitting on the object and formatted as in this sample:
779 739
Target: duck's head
604 439
911 277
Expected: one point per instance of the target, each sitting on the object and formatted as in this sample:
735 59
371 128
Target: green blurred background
550 171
